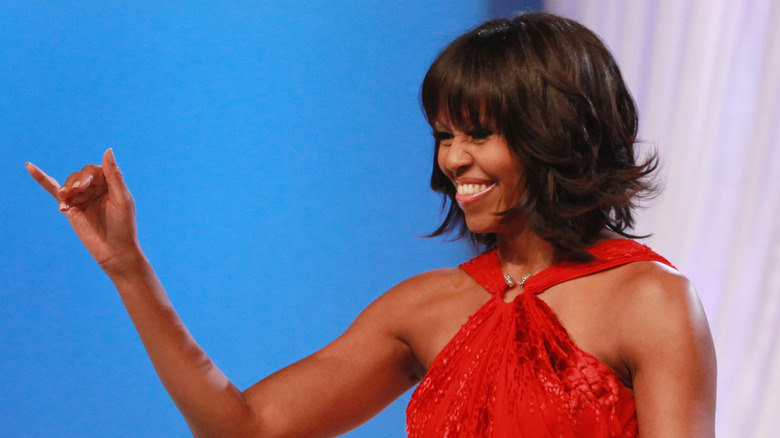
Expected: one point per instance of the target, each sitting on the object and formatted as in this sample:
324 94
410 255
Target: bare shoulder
429 284
433 280
667 345
426 310
422 289
657 296
412 299
650 280
658 307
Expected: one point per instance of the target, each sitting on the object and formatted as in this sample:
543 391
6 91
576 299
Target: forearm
210 403
101 210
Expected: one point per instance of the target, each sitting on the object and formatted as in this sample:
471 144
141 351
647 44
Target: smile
472 192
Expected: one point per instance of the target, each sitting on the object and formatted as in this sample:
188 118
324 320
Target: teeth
470 189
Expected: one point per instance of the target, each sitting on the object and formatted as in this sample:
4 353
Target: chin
492 224
482 226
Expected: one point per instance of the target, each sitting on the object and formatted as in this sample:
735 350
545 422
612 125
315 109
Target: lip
464 199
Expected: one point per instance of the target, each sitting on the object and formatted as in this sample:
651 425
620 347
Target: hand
100 209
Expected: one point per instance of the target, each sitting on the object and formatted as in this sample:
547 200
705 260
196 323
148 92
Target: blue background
280 165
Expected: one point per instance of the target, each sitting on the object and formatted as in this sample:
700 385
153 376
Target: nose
454 158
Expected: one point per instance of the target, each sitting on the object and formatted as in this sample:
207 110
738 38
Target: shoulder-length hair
553 90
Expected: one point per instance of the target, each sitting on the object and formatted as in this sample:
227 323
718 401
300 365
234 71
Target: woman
534 132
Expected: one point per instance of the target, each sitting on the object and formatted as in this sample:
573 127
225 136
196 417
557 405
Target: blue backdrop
280 165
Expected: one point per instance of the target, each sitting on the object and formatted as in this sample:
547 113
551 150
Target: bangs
465 86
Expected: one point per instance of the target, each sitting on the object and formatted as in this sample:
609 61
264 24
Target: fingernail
63 206
76 184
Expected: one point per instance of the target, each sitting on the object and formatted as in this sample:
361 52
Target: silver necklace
510 282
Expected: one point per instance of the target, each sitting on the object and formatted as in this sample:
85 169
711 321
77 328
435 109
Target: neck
524 253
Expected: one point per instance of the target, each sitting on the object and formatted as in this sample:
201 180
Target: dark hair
553 90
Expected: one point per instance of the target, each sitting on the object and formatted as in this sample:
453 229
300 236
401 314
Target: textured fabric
513 371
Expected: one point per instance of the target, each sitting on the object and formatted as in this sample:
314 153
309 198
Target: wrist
126 264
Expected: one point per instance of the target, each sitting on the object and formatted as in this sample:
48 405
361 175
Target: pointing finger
48 183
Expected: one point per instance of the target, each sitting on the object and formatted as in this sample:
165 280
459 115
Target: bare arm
325 394
672 357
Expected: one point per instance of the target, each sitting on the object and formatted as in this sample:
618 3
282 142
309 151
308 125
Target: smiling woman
534 136
556 96
598 336
485 172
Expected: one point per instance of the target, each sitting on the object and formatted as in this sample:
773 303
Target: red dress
513 371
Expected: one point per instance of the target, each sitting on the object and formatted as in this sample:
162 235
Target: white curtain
706 77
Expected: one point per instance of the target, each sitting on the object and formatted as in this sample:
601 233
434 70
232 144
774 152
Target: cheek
513 197
441 156
515 186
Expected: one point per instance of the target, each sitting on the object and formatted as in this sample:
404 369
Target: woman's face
486 173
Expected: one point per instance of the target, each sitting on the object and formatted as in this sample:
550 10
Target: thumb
114 178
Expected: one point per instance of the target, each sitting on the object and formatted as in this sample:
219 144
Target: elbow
235 421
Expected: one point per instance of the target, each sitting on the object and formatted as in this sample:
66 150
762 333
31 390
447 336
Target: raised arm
325 394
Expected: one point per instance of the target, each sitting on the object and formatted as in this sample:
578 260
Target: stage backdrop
280 165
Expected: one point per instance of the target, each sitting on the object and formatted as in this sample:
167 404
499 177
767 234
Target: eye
480 134
443 137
